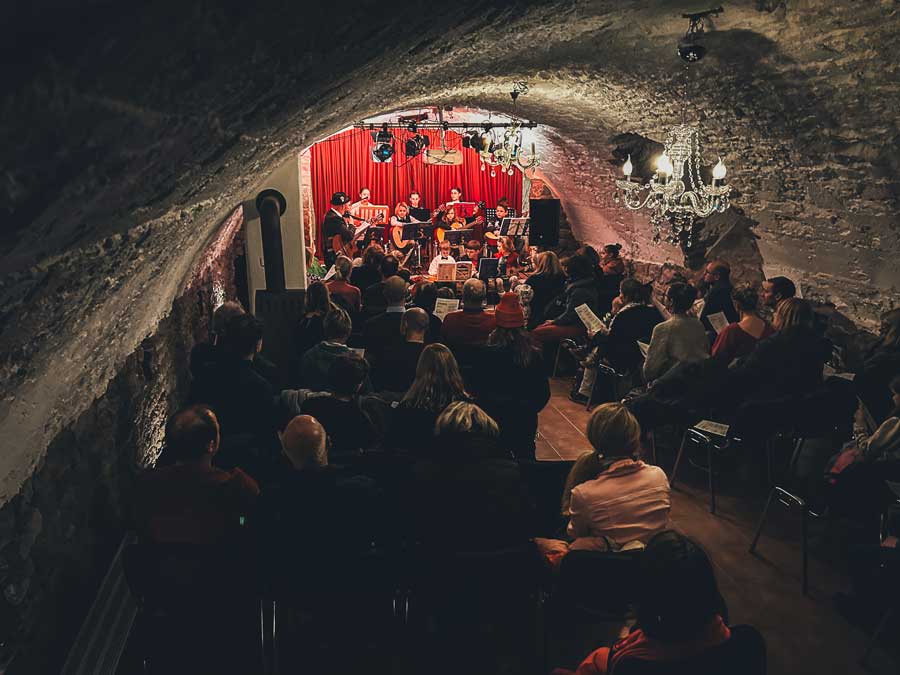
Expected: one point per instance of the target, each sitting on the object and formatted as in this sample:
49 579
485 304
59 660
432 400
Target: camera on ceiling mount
690 47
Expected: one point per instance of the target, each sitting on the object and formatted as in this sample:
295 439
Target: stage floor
803 634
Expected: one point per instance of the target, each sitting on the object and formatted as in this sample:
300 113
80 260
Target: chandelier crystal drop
676 195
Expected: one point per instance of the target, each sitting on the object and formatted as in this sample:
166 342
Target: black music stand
514 227
414 232
457 237
488 268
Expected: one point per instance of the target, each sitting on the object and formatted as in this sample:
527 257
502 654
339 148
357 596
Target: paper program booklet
718 321
589 319
443 306
711 427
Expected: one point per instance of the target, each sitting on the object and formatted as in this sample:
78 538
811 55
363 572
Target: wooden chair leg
677 461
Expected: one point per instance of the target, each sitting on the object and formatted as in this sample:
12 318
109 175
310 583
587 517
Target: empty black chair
198 608
545 485
744 653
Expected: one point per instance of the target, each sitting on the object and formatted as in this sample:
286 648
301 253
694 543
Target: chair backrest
744 653
545 485
598 582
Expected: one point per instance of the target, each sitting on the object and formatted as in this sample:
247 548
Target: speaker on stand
544 228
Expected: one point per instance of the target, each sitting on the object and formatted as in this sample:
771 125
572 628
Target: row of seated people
469 494
690 371
404 376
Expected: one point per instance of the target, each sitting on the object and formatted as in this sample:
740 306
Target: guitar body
397 237
340 247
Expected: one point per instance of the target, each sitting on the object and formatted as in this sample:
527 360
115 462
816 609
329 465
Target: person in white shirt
364 196
443 257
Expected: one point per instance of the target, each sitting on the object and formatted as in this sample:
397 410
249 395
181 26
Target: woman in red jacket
681 613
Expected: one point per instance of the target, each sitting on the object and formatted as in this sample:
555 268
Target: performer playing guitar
400 218
335 229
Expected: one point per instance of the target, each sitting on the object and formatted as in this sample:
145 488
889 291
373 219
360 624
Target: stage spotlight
416 144
382 148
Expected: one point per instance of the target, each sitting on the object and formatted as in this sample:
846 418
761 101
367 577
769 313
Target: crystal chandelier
508 152
676 195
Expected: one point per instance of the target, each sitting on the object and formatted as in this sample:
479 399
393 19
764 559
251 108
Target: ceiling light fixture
382 145
676 195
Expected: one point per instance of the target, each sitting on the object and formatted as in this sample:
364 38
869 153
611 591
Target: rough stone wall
58 535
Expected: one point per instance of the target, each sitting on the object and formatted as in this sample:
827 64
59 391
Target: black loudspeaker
544 228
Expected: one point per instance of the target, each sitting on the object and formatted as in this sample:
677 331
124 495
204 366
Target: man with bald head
470 326
717 294
313 513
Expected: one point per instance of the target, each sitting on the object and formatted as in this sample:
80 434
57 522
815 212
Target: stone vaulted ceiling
129 133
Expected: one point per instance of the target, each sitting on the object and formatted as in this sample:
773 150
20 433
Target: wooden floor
803 634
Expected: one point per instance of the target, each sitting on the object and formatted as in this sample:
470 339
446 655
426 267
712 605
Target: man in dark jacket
382 332
717 279
334 224
314 515
317 360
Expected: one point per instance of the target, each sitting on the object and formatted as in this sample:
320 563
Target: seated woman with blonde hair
613 500
465 476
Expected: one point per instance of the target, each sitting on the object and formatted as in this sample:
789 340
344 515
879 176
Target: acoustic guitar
350 248
458 224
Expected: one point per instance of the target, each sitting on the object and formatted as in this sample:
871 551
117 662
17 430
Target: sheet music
446 271
718 321
362 228
697 308
328 274
644 347
443 306
589 319
711 427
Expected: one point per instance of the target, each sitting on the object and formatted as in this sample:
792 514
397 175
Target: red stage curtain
344 163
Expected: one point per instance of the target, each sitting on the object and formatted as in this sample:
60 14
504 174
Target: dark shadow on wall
60 533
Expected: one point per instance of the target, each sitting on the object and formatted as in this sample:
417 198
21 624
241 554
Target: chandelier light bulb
493 174
664 164
510 172
719 170
482 166
628 168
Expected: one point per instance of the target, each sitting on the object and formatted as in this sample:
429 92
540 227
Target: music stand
514 227
373 211
457 237
488 268
463 209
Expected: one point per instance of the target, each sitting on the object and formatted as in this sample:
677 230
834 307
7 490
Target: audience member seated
739 339
680 612
426 295
205 355
396 370
881 365
471 325
374 301
438 383
633 320
679 339
581 289
547 283
191 501
717 298
382 333
593 257
859 471
342 293
611 261
314 514
317 303
510 382
469 493
242 399
788 364
350 429
370 271
611 497
317 360
776 289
